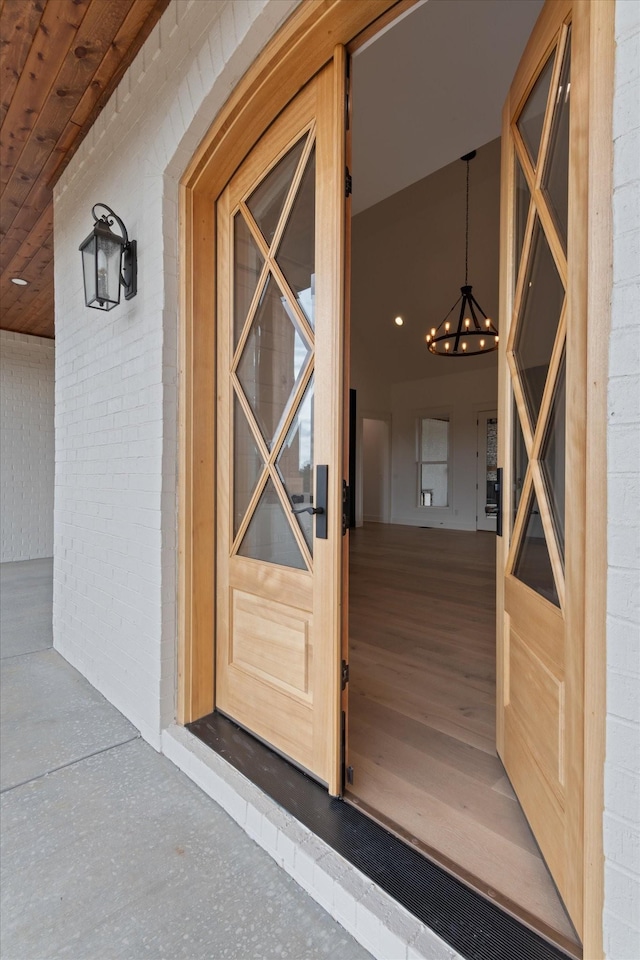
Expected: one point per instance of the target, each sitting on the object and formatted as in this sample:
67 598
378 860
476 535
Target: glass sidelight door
279 430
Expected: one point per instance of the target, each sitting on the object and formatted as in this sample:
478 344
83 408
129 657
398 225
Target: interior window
433 465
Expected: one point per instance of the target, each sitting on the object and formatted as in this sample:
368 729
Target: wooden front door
542 430
279 416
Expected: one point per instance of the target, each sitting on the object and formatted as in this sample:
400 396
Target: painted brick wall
116 373
26 446
622 780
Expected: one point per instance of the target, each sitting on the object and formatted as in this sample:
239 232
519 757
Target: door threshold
511 907
472 925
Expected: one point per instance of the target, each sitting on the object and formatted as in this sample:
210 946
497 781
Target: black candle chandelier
473 332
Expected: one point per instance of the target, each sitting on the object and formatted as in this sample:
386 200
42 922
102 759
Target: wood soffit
60 61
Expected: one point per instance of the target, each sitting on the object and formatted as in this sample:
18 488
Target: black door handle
498 489
321 497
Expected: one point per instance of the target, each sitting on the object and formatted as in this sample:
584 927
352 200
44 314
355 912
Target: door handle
321 495
498 489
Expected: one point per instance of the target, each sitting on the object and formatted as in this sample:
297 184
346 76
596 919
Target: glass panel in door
542 299
533 565
553 457
248 266
519 465
296 255
531 119
267 200
269 536
555 181
273 360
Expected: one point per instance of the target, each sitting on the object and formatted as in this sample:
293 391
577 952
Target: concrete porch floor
108 850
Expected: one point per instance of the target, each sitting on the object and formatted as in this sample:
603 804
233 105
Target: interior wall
375 470
26 446
408 260
461 397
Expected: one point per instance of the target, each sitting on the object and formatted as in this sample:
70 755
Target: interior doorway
422 698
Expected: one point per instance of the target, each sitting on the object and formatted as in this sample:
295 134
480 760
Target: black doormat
469 923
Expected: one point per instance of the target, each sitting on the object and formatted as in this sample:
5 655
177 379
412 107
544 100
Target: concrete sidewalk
107 849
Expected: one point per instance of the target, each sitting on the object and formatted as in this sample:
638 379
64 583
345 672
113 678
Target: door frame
297 51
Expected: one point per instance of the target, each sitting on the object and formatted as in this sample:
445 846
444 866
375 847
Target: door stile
330 360
348 442
223 407
576 501
198 516
505 424
599 272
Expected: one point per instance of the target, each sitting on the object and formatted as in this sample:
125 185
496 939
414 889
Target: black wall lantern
108 262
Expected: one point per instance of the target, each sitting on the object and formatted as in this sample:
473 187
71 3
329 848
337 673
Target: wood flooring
421 737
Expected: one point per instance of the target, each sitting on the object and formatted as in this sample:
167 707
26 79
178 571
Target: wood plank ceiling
60 61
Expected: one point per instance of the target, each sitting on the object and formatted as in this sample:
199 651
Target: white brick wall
26 446
116 373
622 772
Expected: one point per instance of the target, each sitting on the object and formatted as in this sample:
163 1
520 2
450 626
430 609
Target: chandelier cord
466 246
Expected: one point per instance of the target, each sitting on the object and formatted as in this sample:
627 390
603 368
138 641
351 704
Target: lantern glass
108 269
88 249
102 268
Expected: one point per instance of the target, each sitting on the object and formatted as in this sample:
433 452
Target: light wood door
541 587
279 424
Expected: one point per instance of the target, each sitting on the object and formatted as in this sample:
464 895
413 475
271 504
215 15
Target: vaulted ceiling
60 61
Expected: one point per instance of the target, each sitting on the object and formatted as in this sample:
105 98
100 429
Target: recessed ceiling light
398 321
19 281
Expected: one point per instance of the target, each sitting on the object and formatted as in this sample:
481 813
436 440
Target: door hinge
348 183
349 772
344 675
